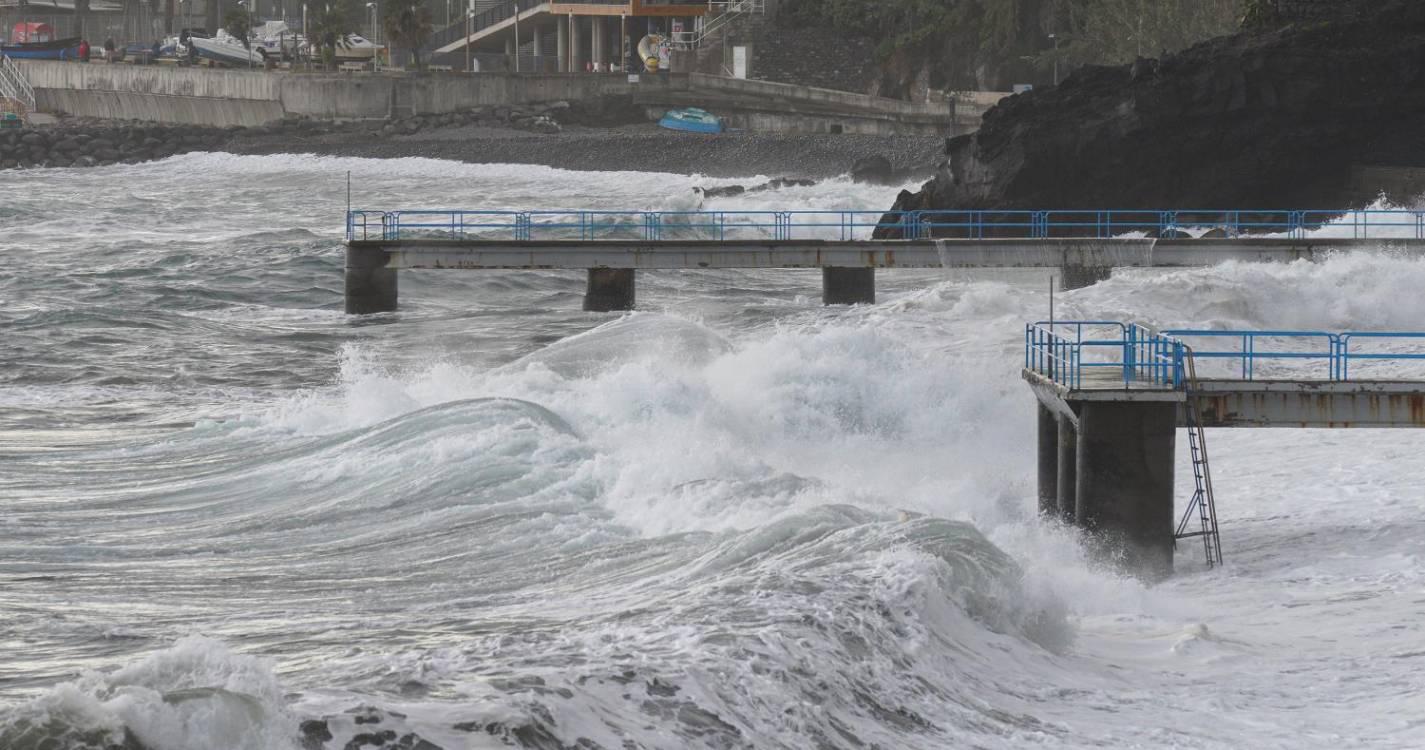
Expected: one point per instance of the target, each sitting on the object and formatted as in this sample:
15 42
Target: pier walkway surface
847 245
1113 395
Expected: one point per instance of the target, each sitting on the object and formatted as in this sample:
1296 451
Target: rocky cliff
1274 118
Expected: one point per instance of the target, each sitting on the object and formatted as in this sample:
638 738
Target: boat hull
59 49
691 121
229 54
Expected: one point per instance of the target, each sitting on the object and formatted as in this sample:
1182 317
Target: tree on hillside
238 22
408 25
1119 31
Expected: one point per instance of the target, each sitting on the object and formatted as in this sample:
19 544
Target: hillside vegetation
992 44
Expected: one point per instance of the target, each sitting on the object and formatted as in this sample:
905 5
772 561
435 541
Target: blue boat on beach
691 120
59 49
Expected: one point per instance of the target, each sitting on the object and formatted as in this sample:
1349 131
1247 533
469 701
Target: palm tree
330 26
407 24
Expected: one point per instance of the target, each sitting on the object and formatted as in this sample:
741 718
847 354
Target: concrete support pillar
561 44
1048 462
609 289
848 286
576 46
1066 488
512 49
370 286
597 41
538 51
1078 277
1125 483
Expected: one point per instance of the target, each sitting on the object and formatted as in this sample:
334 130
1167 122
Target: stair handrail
478 22
712 22
14 84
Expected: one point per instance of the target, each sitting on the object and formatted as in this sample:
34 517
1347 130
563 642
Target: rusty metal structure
1113 395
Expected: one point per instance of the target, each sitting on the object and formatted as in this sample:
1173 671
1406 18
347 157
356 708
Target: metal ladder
1203 504
16 95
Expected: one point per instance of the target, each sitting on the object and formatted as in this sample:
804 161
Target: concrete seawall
202 96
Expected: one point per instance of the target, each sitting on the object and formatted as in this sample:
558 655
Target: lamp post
375 7
1055 38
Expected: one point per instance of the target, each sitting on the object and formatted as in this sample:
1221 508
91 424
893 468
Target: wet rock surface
87 145
1269 119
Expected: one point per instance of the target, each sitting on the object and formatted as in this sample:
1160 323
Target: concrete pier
1078 277
1048 453
1065 483
609 290
848 267
371 287
848 286
1125 483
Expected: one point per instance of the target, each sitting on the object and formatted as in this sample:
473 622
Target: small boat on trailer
57 49
691 120
228 50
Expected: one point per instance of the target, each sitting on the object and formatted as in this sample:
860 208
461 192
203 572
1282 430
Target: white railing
15 86
719 15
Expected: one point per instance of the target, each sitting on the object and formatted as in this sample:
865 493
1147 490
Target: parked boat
227 49
691 120
356 48
58 49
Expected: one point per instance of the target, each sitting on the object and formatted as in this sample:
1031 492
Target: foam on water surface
731 519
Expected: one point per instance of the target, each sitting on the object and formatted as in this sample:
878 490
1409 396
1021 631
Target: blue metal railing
649 226
853 224
1068 352
1130 354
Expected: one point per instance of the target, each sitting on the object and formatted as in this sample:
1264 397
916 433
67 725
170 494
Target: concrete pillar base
609 290
1066 481
1078 277
370 286
1048 462
848 286
1125 483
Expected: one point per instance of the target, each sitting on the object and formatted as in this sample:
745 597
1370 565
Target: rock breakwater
1271 119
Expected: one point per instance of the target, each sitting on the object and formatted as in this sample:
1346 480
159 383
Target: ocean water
733 519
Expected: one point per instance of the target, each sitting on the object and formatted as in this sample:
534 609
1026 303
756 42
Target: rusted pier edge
1106 454
1083 261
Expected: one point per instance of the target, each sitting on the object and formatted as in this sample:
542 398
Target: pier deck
848 246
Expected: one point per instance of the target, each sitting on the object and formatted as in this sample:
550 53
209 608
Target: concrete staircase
17 98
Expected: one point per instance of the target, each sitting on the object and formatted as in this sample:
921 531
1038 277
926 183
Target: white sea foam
740 520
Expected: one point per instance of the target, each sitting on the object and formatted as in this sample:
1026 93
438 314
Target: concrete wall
241 97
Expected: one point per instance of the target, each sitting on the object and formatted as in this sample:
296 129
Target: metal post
517 37
1055 37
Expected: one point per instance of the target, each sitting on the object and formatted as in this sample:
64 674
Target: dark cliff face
1273 119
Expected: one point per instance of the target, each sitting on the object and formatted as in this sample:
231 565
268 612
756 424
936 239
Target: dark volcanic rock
877 170
1271 119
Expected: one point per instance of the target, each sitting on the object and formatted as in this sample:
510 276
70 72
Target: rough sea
732 519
